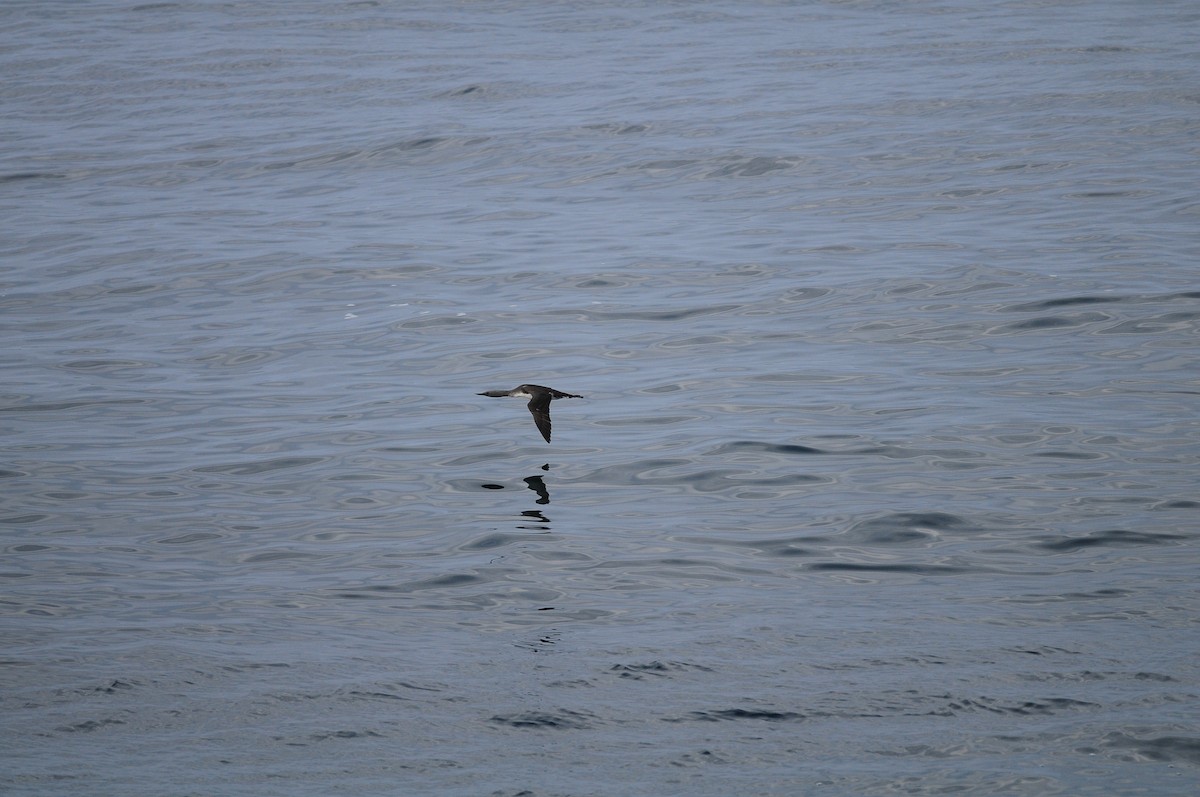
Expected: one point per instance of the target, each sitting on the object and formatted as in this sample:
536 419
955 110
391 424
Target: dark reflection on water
538 485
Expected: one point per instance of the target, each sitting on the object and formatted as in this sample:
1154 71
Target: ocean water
884 476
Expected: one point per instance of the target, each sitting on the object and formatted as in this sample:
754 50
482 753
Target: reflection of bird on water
539 402
538 485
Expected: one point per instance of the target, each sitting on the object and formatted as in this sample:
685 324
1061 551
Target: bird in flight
539 402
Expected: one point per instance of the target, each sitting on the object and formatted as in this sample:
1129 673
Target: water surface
885 317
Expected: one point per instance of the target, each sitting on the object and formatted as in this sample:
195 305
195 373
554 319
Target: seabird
539 402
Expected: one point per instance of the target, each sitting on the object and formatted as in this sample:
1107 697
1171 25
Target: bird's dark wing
539 406
558 394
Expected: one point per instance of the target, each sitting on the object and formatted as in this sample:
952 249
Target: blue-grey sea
884 478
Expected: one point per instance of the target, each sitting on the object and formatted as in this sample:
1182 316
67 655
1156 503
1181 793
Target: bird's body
539 402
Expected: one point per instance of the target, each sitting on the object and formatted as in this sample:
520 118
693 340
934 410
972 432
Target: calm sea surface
884 480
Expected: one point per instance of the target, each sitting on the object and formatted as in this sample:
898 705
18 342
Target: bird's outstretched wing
558 394
539 407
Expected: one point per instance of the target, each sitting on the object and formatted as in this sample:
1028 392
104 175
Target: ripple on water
1149 745
250 468
1111 538
690 475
